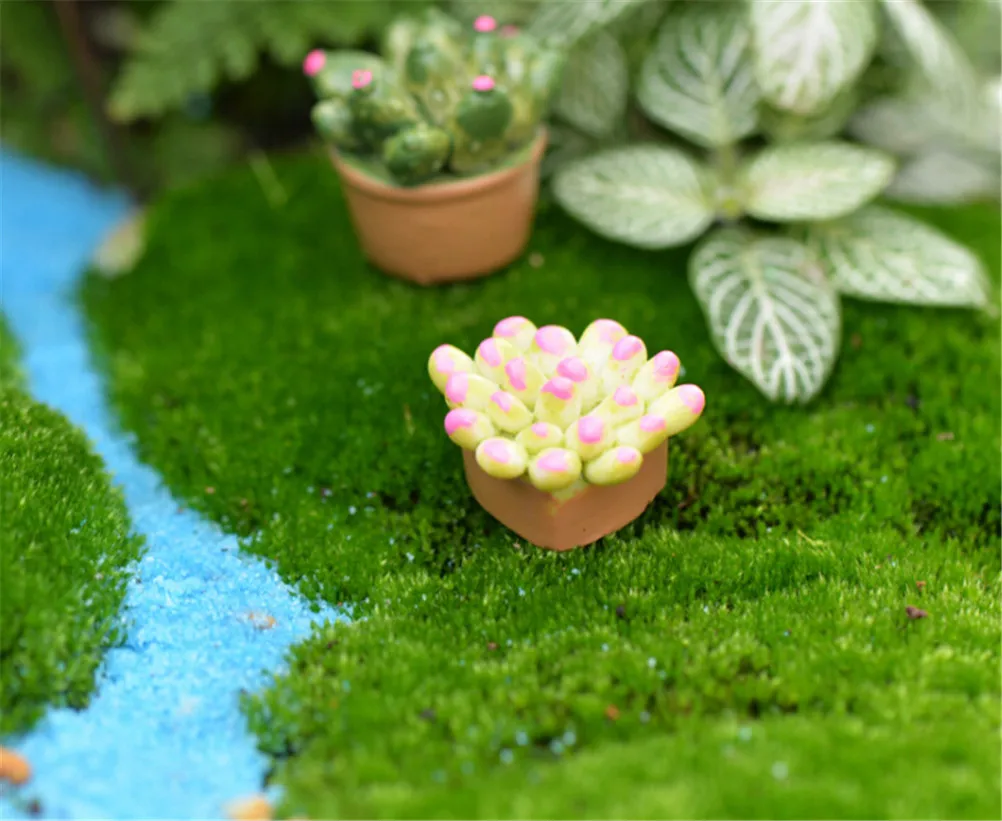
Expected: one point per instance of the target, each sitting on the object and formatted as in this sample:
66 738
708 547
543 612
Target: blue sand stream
163 736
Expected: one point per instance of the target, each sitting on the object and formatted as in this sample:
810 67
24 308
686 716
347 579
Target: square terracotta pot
548 521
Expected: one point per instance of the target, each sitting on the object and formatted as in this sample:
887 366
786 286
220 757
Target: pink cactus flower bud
314 62
483 83
485 23
360 78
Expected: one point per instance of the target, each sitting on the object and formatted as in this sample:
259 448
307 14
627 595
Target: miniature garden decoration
438 143
565 440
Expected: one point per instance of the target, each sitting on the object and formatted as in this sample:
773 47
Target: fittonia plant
761 90
563 412
447 99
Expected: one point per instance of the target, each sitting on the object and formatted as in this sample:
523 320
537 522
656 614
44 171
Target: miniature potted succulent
564 440
438 143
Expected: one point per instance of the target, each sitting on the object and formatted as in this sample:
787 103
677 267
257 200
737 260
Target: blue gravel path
163 737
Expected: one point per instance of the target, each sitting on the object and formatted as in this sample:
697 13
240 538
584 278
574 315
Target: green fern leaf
191 46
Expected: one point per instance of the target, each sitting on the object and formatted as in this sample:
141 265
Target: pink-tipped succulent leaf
564 413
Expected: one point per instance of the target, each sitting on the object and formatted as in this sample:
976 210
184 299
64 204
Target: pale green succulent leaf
937 56
812 181
806 52
572 21
596 86
698 80
879 254
772 314
649 196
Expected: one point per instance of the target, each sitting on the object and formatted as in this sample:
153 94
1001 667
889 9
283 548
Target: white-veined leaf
937 55
772 314
698 79
571 20
881 255
807 51
897 124
812 181
785 126
563 144
596 86
649 196
943 177
920 121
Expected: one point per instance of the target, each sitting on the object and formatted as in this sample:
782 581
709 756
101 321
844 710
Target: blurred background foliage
193 85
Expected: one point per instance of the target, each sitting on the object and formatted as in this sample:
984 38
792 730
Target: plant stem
725 162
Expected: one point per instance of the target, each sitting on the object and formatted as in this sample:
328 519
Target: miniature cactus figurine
562 413
445 100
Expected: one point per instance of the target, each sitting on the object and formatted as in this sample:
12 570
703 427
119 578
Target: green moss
64 554
10 371
280 386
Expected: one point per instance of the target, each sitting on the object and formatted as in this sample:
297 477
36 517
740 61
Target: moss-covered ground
745 649
65 548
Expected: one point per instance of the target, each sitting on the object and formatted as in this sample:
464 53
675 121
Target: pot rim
437 192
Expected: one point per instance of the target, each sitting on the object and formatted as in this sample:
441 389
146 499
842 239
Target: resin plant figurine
550 424
445 100
438 143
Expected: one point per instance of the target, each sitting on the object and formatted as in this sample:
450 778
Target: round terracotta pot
547 520
444 231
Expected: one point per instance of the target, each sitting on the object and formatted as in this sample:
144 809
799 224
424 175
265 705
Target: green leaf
785 126
897 124
596 86
563 144
806 52
699 79
649 196
882 255
572 21
937 55
812 181
940 176
192 46
772 314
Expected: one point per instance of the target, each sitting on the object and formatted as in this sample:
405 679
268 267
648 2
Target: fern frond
191 46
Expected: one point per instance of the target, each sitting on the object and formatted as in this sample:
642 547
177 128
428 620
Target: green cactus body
332 119
430 74
534 85
439 27
381 110
557 443
485 112
545 77
524 119
487 49
401 108
398 40
331 73
417 154
487 54
520 52
479 126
